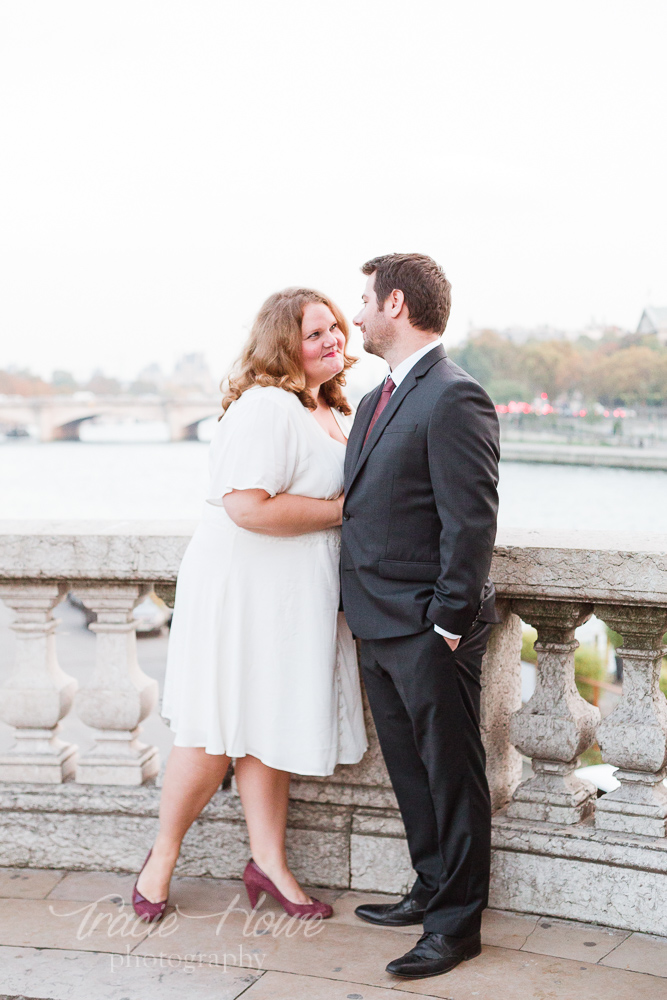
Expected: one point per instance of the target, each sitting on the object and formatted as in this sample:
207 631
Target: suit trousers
425 701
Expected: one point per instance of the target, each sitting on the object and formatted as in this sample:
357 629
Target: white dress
260 661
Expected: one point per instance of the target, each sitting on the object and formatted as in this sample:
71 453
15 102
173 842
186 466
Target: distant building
152 375
191 376
192 372
654 320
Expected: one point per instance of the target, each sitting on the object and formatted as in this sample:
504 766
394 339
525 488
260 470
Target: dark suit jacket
419 520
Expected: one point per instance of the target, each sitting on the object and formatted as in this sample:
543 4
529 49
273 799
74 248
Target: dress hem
278 766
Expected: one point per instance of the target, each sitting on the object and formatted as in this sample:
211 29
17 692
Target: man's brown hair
426 290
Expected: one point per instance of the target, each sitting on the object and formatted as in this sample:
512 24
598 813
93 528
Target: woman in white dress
261 665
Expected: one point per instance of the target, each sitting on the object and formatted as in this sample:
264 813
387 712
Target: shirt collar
400 371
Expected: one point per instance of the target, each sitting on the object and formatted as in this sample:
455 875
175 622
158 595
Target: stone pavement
73 936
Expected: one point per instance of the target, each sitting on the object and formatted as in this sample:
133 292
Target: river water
156 480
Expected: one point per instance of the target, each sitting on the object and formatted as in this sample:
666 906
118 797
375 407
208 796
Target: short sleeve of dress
255 446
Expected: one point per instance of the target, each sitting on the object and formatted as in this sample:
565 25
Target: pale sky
164 166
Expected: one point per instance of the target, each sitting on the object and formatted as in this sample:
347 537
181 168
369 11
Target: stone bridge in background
59 418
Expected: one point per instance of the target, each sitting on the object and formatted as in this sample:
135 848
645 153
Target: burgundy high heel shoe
256 881
144 909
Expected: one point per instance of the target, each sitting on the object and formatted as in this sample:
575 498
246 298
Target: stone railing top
93 550
595 566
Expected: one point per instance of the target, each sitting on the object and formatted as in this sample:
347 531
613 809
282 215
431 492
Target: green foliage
631 375
591 756
613 637
476 360
528 645
490 359
663 677
503 390
588 662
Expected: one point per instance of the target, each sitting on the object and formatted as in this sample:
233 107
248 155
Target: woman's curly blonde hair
272 353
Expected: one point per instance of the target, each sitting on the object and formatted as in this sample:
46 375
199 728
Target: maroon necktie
385 395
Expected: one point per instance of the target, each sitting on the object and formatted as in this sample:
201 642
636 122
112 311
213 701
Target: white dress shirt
397 376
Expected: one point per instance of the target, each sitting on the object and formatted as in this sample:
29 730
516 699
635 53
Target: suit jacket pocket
399 428
399 569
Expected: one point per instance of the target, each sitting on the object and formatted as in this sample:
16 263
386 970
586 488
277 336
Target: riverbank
573 454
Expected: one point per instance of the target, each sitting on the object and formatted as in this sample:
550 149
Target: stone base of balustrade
47 768
556 797
574 872
110 828
639 806
121 770
323 790
579 873
547 812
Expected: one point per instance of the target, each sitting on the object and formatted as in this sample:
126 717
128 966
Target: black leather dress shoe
407 911
435 954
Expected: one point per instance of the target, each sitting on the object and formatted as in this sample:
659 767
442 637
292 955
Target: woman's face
322 344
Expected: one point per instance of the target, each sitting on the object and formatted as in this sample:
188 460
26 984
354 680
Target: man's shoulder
446 378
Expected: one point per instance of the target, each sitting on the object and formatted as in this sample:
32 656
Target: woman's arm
284 514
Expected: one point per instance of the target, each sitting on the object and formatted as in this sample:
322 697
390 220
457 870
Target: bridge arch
68 431
59 418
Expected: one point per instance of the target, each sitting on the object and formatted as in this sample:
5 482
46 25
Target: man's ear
394 303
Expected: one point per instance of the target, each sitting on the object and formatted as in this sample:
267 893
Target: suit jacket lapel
407 385
359 428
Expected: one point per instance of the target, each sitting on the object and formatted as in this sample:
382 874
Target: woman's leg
264 792
191 777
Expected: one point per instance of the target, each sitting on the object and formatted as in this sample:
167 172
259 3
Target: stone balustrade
558 849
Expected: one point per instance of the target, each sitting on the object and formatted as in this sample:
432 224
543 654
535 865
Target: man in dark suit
419 525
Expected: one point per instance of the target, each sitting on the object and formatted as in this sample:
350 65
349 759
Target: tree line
628 370
22 382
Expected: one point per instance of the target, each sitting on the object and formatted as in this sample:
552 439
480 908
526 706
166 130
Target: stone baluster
501 697
38 693
119 695
634 736
556 724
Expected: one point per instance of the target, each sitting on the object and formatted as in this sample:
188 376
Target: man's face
377 329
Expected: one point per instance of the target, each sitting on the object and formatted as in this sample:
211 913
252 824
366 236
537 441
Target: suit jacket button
346 516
